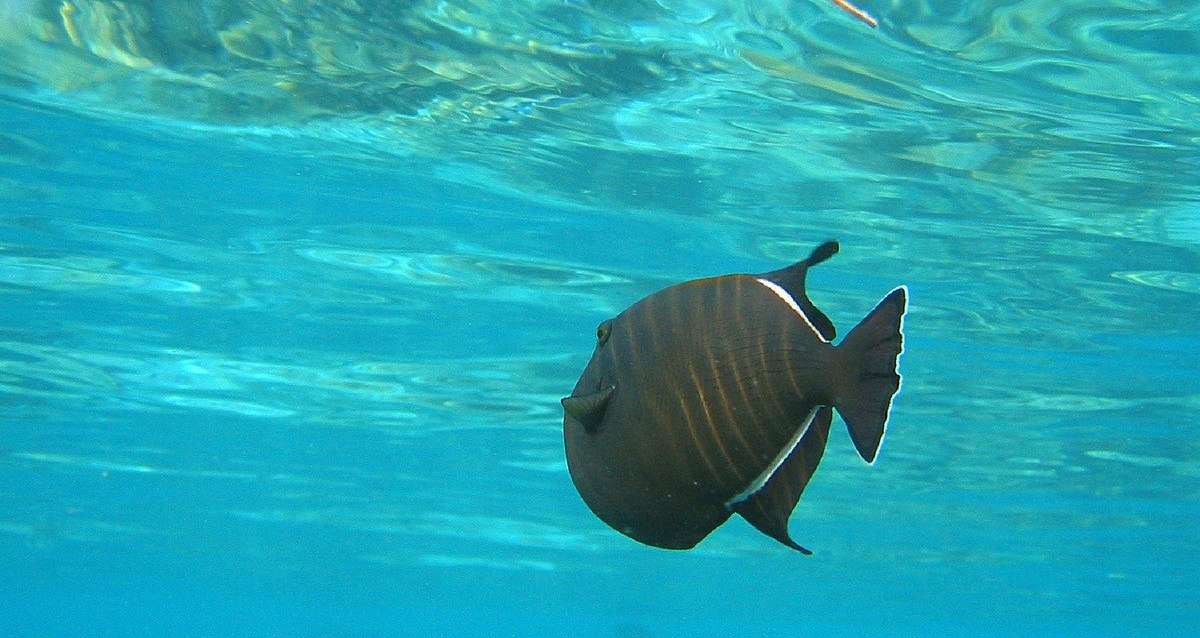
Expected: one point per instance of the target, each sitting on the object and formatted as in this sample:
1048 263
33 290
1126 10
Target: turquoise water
291 290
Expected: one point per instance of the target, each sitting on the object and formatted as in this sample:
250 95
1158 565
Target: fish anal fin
769 508
792 280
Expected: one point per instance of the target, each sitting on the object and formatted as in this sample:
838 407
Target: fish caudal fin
872 349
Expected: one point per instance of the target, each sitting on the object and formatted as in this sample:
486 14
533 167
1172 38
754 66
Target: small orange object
856 12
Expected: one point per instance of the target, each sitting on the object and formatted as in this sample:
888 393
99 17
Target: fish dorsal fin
769 508
589 409
791 279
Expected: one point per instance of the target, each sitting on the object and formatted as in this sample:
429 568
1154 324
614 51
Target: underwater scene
292 293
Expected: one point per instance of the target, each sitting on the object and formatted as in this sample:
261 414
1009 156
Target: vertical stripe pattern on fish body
713 396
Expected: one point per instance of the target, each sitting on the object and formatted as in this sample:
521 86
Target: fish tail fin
872 349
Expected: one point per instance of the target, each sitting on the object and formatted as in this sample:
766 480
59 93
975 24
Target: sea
290 291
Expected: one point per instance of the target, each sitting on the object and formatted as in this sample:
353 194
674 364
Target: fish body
712 397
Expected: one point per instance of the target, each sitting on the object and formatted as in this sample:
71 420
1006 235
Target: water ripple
341 259
541 87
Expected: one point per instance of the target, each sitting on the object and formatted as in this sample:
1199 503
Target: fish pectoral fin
588 409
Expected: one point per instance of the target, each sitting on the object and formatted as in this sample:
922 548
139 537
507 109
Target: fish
858 13
715 397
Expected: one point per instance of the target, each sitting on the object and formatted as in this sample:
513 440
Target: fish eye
602 332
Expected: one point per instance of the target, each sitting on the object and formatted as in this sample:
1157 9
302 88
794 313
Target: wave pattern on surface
738 106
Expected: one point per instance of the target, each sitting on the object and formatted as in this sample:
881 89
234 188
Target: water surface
291 290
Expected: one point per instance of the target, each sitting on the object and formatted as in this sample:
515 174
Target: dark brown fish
714 396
